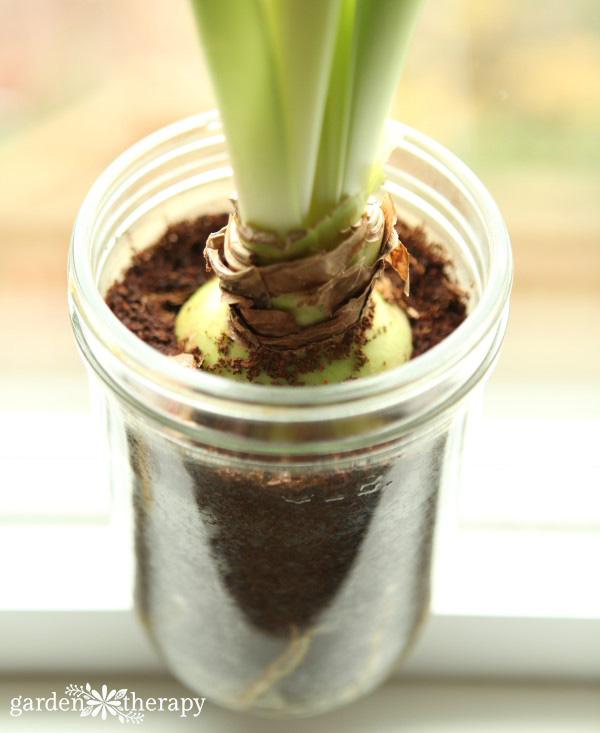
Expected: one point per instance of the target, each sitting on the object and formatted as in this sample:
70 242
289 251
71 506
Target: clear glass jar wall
282 535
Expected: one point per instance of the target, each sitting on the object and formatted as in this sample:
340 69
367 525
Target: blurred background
513 88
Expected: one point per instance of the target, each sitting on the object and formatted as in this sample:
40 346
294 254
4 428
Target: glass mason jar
282 535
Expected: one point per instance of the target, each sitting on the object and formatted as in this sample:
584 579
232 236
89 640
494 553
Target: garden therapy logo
126 707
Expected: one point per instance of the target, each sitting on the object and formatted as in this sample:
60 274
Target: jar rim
194 386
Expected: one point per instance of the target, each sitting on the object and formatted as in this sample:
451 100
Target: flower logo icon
104 704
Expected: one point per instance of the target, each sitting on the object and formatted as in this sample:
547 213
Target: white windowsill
514 592
400 705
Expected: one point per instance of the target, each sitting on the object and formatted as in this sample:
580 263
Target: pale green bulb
202 323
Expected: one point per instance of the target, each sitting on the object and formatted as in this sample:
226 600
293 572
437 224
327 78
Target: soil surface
163 276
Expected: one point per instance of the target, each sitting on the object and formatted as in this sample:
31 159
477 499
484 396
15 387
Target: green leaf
303 88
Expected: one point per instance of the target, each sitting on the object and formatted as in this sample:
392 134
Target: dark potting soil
163 276
284 586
